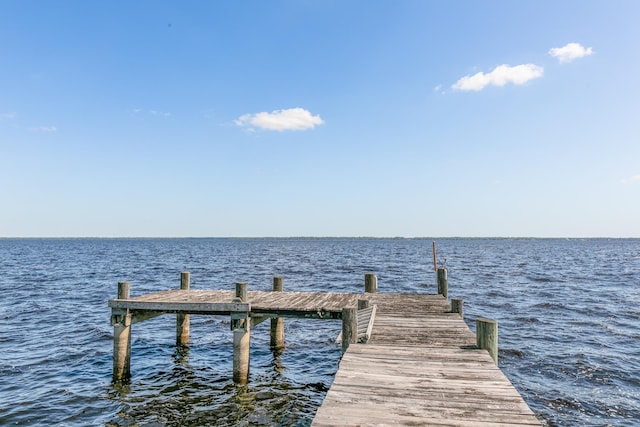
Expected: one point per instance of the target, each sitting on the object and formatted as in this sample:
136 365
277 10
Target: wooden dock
420 367
409 359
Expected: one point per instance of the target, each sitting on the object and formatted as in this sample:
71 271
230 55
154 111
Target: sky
319 118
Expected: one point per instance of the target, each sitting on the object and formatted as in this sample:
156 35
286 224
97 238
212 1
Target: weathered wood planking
285 304
420 367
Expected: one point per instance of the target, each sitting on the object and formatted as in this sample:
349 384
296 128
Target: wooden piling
363 303
183 320
487 336
443 282
241 346
277 324
121 321
457 306
241 291
370 283
241 326
349 327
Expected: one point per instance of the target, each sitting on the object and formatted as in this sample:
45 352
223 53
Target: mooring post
457 306
487 336
182 320
349 327
241 291
277 324
363 303
241 325
443 282
121 321
370 283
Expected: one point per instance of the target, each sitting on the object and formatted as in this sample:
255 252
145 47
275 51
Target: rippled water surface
568 310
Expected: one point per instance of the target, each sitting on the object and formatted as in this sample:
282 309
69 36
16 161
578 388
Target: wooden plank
181 307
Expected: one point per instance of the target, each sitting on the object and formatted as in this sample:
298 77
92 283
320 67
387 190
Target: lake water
568 310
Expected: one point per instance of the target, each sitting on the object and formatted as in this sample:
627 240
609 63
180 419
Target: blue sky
319 118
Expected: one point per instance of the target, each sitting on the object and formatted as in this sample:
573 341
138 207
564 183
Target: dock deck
420 365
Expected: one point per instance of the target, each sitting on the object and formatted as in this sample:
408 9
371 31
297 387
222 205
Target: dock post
457 306
443 282
363 303
121 321
241 291
277 324
241 325
370 283
349 327
487 336
183 320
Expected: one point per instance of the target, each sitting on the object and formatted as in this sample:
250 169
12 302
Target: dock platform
408 359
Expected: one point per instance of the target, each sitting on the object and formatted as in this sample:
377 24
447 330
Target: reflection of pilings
182 320
121 322
241 327
277 324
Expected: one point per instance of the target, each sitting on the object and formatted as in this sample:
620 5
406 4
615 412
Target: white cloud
630 180
500 76
290 119
137 111
44 129
570 52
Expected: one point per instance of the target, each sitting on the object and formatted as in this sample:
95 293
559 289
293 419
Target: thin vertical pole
370 283
487 336
121 321
443 282
183 320
435 266
277 324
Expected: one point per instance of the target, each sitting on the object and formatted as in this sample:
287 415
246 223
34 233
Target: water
568 310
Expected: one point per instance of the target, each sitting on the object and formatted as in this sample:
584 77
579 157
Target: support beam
121 321
183 320
277 324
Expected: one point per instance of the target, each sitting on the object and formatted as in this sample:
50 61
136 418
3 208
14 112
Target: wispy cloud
630 180
7 116
157 113
569 52
500 76
280 120
44 129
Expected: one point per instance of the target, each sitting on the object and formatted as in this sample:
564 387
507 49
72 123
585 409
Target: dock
408 359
